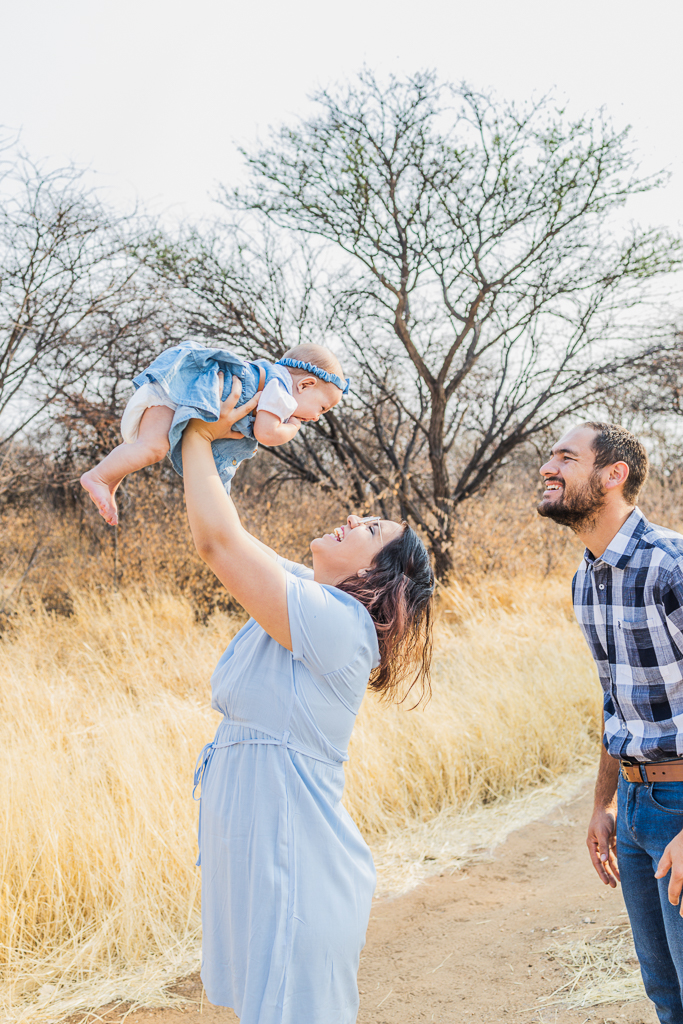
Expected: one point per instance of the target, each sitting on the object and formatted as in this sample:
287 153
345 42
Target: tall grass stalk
104 712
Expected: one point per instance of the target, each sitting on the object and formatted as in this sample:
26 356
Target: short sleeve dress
287 879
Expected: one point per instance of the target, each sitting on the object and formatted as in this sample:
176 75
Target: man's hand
602 843
672 860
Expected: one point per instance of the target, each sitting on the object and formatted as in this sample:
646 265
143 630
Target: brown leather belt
655 771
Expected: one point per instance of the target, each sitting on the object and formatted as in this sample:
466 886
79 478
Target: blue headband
331 378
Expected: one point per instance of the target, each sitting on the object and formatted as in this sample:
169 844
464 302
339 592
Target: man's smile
553 485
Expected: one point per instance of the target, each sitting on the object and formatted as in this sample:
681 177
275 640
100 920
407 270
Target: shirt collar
619 550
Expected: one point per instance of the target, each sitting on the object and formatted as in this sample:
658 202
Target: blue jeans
648 818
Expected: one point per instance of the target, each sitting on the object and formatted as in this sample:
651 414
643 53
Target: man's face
574 494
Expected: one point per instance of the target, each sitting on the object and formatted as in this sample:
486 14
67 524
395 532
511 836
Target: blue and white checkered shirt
629 604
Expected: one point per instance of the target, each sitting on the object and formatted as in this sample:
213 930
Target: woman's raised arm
245 567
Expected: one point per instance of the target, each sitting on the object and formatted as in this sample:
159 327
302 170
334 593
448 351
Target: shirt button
601 586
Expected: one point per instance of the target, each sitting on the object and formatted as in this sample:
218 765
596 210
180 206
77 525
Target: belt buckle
627 762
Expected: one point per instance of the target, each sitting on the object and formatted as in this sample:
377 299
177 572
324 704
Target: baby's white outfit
274 398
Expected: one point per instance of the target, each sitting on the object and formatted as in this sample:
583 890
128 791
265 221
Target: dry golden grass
105 704
102 718
603 969
104 712
51 549
511 675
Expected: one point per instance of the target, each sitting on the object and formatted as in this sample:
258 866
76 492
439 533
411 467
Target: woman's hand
229 414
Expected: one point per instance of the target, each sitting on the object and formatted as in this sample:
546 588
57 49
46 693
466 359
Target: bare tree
485 295
258 294
66 272
649 401
656 392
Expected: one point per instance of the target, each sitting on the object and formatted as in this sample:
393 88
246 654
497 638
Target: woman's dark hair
397 590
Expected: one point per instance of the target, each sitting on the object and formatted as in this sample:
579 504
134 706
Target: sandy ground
471 945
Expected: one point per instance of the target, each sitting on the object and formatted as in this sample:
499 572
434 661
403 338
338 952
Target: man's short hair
612 444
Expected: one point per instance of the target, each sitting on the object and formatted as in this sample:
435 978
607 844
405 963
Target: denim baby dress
188 375
287 879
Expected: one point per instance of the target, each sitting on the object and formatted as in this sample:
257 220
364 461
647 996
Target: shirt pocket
643 643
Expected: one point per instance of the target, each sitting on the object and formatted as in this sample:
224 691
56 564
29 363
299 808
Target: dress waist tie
207 752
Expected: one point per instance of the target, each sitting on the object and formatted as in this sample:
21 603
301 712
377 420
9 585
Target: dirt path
470 946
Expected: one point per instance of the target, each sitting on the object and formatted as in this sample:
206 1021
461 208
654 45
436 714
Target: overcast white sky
154 96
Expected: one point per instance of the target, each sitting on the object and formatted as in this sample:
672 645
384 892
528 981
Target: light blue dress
287 879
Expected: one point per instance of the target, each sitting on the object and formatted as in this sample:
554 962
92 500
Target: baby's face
314 397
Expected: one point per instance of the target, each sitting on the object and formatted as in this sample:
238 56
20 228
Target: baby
183 383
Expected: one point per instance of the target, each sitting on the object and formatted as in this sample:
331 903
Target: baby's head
313 395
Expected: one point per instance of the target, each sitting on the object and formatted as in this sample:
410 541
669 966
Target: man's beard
577 509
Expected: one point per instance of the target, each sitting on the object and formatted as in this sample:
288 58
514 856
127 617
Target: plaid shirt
629 604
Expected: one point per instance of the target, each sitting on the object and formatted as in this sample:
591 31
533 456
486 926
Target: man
628 599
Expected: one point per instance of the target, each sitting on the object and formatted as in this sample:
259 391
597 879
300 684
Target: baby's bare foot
102 497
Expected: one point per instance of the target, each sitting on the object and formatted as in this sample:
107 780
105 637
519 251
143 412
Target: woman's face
351 548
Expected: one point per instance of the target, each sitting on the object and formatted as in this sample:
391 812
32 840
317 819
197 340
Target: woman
287 880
